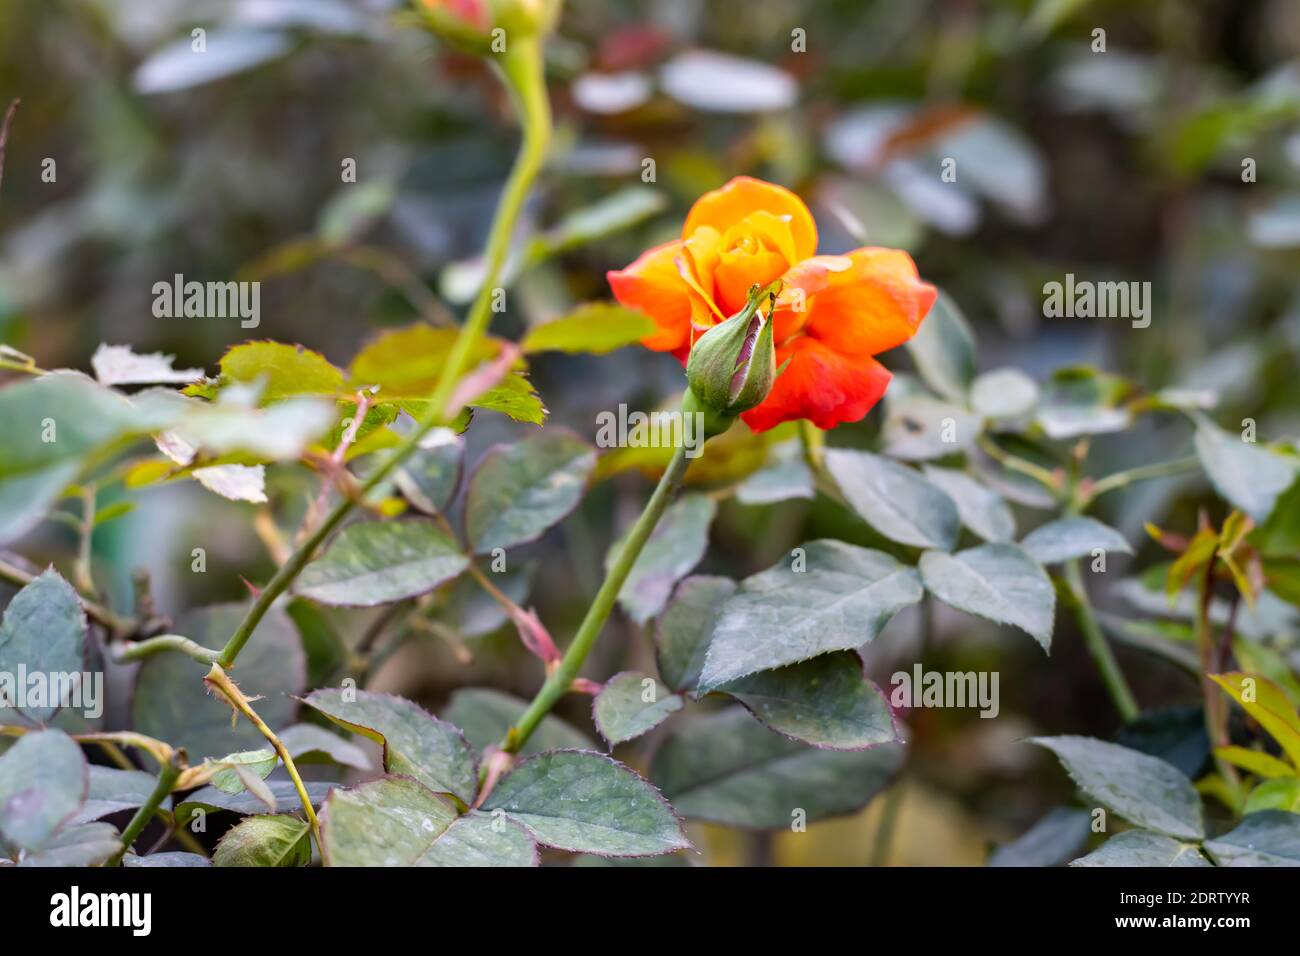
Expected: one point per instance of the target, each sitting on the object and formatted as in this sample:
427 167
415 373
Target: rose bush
256 732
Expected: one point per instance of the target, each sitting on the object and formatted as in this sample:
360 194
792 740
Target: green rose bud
732 367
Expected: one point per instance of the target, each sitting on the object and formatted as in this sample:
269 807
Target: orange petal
801 282
821 386
873 307
734 277
723 208
652 285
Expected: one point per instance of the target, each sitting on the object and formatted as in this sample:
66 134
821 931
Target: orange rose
833 314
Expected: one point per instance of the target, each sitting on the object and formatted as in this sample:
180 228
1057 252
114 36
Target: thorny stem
560 680
166 780
218 678
521 68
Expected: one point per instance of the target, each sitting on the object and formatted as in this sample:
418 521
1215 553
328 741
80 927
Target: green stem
1122 479
1046 478
138 650
813 440
1098 646
166 780
521 69
558 683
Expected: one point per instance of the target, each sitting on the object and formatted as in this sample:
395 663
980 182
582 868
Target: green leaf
171 704
227 51
836 596
48 437
395 821
1070 538
405 363
486 715
265 841
683 630
1083 401
308 743
944 350
479 839
385 822
378 562
1280 793
727 768
211 800
1143 848
429 477
1267 838
514 397
981 509
621 709
43 631
43 781
1249 476
1144 790
608 215
258 762
88 844
675 546
998 582
596 327
919 427
894 499
1053 840
285 371
1004 393
354 209
587 803
785 476
826 702
112 791
519 491
1256 761
1268 705
415 742
176 859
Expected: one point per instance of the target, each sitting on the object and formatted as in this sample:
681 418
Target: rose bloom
833 314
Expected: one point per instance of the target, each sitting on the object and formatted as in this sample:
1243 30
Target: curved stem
1048 479
1122 479
166 780
557 685
522 71
138 650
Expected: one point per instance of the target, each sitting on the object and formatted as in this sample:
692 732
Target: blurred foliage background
1128 164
